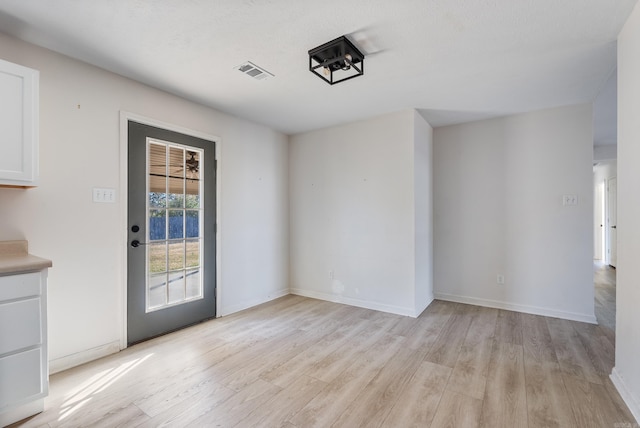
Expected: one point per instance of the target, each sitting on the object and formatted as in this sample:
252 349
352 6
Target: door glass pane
176 286
192 185
193 224
192 200
193 253
158 257
176 255
157 175
175 213
157 225
176 162
193 288
176 224
176 193
157 295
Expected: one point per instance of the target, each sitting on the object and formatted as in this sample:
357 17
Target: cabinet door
22 377
18 125
20 325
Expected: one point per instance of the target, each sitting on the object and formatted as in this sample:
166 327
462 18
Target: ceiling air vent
252 70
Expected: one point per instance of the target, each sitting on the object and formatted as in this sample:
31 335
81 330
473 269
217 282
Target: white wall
626 374
79 150
498 187
423 195
352 212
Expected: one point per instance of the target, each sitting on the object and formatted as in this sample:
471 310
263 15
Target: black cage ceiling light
336 61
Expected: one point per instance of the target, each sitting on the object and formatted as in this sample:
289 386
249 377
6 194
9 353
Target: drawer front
20 325
18 286
21 376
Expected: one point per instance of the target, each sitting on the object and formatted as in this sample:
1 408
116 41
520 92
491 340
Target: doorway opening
605 245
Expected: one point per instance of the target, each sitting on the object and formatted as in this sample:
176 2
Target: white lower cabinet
24 370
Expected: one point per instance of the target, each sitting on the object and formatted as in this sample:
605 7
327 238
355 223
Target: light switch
104 195
569 200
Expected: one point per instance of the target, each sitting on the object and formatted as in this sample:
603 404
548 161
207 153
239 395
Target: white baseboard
73 360
228 310
398 310
591 319
632 403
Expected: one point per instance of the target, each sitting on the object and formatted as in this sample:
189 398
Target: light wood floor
299 362
604 277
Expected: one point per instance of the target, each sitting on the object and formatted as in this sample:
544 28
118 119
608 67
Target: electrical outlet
330 274
500 279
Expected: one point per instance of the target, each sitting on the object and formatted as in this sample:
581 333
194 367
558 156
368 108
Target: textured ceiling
453 60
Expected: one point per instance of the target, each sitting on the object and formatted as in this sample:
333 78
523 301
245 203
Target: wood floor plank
483 326
373 404
426 387
457 410
180 413
571 354
285 404
286 373
426 329
402 326
605 300
600 350
177 392
128 416
282 352
548 403
509 327
439 308
592 406
469 375
537 339
504 402
231 411
446 348
330 367
332 401
322 317
429 324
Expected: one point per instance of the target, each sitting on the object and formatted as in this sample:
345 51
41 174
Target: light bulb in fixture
326 71
347 65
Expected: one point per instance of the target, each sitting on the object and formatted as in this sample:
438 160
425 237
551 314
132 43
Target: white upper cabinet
18 125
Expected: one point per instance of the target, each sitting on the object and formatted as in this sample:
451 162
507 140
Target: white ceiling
453 60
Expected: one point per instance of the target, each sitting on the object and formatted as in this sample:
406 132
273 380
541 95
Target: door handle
135 243
614 227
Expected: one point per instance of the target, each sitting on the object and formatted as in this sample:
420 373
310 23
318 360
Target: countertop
15 258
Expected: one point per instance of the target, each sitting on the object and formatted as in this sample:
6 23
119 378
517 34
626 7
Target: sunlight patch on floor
98 383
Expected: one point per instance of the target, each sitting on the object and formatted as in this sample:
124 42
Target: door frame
125 117
608 249
599 218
